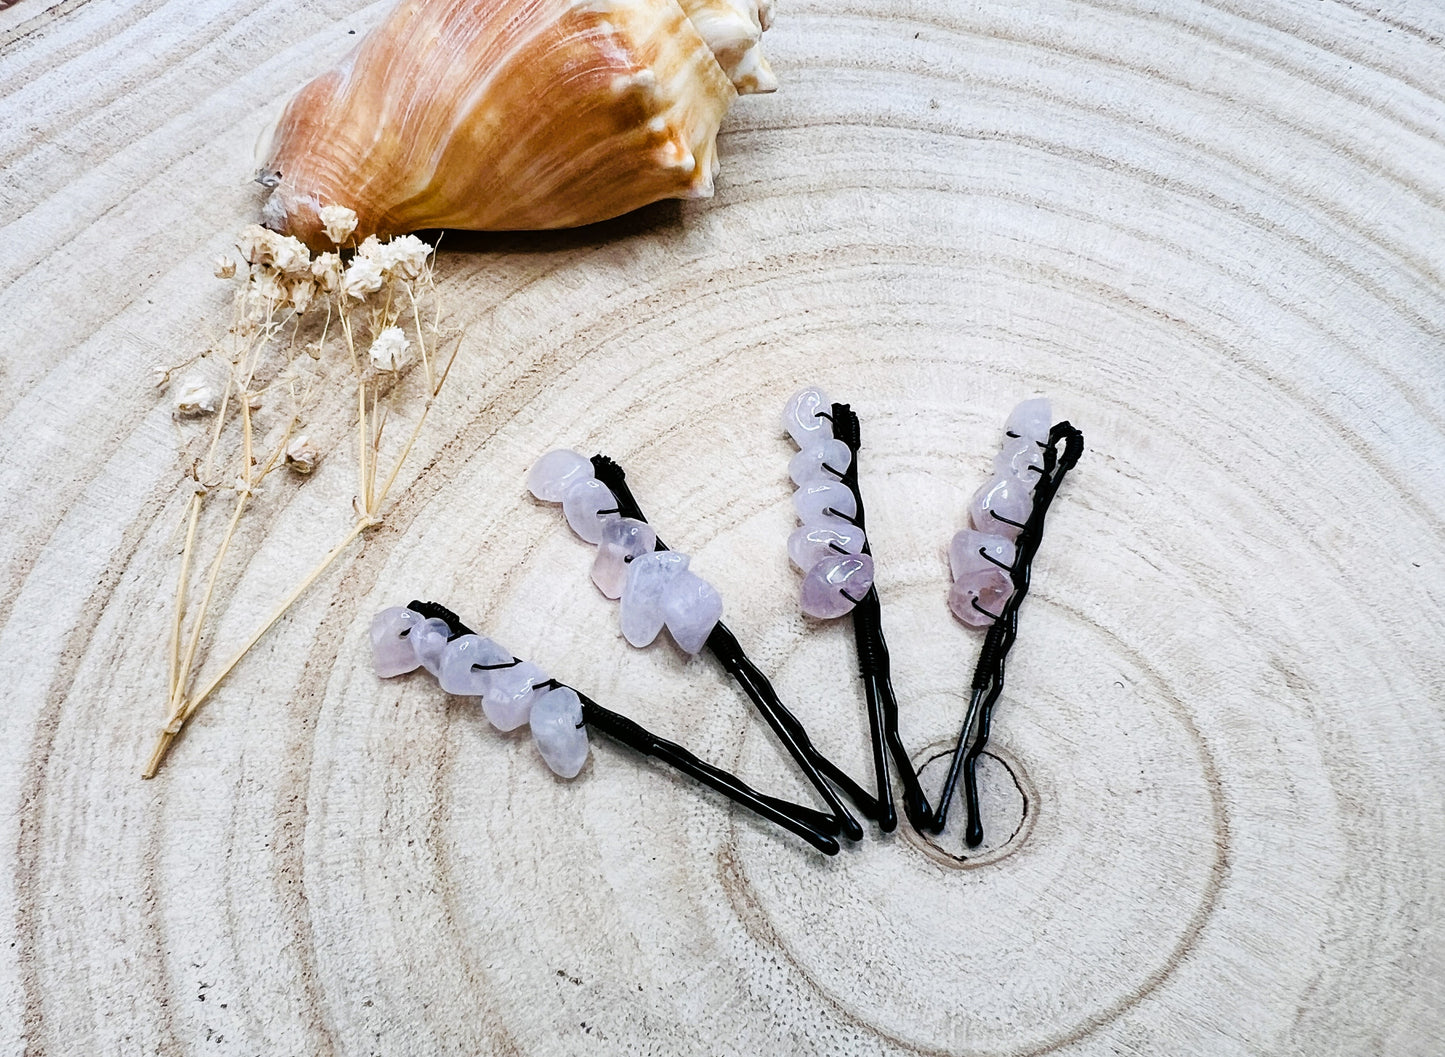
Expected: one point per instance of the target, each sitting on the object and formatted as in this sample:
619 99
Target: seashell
499 115
733 31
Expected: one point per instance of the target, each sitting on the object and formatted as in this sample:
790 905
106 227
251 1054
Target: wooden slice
1210 231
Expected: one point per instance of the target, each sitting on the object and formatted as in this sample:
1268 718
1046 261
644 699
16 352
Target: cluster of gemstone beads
656 587
512 692
982 557
828 546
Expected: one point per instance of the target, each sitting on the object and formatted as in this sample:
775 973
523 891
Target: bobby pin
832 549
513 692
992 564
657 590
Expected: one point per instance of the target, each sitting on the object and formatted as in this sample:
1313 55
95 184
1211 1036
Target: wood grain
1210 230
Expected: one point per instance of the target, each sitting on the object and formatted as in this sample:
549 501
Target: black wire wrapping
988 676
817 828
874 666
723 645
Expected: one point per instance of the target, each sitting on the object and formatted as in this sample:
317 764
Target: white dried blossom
267 284
300 293
290 257
225 267
339 222
326 270
196 398
301 455
370 247
404 258
390 350
363 276
257 245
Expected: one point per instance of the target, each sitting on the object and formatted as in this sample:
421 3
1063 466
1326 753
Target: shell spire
515 114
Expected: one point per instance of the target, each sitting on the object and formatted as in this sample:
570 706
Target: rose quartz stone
823 593
557 471
812 500
964 557
1031 420
463 665
392 653
583 504
511 694
428 640
825 536
991 588
642 614
807 466
1009 498
691 608
1020 458
558 731
802 421
623 539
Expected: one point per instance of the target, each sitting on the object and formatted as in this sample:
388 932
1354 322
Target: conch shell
515 114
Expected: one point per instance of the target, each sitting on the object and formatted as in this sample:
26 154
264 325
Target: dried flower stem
282 275
175 651
184 711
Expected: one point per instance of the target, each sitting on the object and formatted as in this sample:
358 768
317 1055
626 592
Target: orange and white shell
515 114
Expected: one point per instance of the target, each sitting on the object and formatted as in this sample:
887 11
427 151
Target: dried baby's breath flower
326 270
339 222
257 245
290 257
301 456
404 258
195 398
390 350
281 363
363 276
267 284
225 267
300 292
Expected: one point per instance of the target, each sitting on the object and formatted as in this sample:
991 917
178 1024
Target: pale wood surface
1211 231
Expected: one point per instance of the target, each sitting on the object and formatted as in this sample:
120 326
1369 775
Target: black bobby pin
988 676
817 828
874 665
723 645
